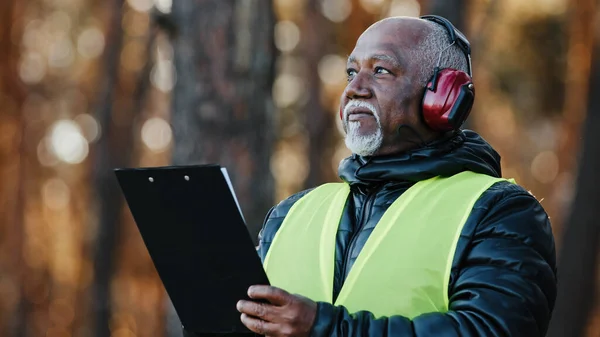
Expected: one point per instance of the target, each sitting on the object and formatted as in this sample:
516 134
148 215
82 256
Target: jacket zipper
366 207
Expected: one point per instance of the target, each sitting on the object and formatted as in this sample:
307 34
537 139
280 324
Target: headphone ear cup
449 103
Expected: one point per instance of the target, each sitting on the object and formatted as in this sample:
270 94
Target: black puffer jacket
503 279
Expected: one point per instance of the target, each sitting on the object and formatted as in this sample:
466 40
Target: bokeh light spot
287 89
157 134
336 10
332 69
89 126
163 6
163 75
45 154
287 35
61 53
32 68
56 194
372 6
404 8
164 49
544 167
141 5
67 142
90 43
32 36
288 164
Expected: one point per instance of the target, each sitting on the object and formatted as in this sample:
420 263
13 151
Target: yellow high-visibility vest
403 268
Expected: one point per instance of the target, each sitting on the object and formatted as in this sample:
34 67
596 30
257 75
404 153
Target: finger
272 294
261 310
259 326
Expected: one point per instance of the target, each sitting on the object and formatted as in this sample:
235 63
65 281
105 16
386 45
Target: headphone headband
456 36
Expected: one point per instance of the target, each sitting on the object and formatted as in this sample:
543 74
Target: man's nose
359 87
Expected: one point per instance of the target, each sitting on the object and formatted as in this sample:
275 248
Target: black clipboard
193 228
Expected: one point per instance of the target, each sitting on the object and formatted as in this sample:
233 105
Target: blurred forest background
254 85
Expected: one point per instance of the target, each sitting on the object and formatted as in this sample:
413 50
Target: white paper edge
226 175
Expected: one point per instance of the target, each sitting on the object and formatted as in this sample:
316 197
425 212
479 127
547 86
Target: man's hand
284 315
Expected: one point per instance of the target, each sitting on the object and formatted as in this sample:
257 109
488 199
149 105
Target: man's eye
380 70
350 73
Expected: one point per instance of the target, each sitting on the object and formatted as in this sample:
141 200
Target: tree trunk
222 108
453 10
113 150
580 34
13 308
318 121
579 252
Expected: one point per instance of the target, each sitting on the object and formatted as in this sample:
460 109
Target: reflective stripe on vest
403 268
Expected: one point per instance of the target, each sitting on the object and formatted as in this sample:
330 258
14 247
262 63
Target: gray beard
363 145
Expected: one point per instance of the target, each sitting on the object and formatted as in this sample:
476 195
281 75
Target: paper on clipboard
226 175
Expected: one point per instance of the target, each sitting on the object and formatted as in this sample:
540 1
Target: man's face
381 93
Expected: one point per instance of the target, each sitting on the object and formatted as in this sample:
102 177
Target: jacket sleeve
273 221
263 247
504 283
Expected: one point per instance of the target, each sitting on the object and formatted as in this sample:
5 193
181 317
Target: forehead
393 37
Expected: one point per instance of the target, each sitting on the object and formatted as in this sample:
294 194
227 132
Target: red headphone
450 93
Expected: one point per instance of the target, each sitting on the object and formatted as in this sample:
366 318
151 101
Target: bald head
401 27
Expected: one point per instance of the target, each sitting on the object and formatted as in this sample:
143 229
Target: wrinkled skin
381 71
284 315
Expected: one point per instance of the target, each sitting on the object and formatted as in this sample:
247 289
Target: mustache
360 104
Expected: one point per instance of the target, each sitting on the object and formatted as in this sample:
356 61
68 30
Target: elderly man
423 237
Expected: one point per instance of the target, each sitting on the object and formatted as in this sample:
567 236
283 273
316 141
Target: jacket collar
464 151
